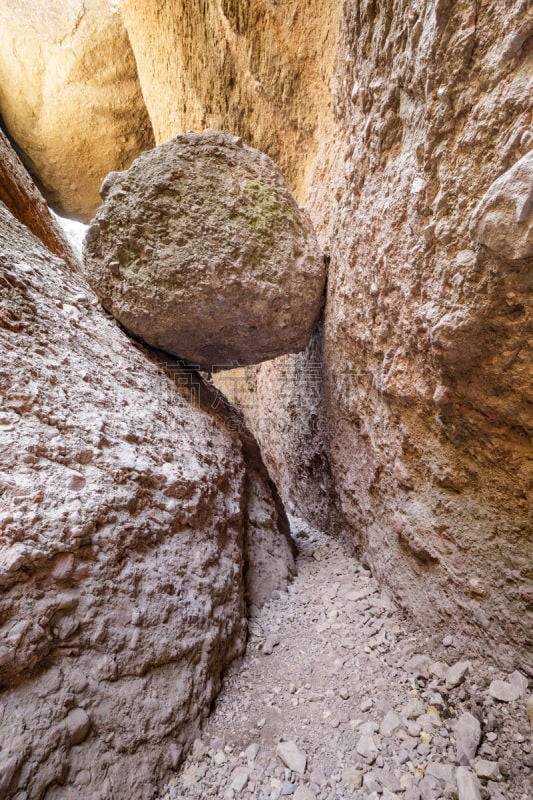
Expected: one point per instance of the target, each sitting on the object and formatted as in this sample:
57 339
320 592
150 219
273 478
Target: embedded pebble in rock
200 250
503 220
295 693
503 691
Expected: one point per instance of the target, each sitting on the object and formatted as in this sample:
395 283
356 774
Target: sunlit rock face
260 69
200 250
70 97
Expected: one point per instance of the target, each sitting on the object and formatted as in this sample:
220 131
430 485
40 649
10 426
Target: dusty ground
326 664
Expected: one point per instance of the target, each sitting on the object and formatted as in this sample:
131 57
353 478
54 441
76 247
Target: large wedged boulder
70 97
126 524
199 249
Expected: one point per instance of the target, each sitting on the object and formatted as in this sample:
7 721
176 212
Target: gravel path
338 698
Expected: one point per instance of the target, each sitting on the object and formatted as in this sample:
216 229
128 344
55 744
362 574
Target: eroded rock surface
200 250
20 195
70 97
503 221
427 333
260 69
126 525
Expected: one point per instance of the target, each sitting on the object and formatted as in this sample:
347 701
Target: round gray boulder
200 250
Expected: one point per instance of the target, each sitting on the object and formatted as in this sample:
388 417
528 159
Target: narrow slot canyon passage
340 696
266 348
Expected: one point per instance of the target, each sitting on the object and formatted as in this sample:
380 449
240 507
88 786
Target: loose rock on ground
353 703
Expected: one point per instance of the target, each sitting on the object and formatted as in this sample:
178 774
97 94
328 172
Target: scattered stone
303 793
457 673
353 778
413 709
239 780
529 708
366 705
366 746
519 680
251 752
292 756
447 641
487 769
418 665
467 784
467 737
503 691
199 750
445 773
390 724
220 758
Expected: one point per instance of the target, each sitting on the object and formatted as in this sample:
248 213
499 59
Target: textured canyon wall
427 327
423 354
69 96
260 69
136 519
20 195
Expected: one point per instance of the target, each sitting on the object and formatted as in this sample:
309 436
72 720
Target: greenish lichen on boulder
200 250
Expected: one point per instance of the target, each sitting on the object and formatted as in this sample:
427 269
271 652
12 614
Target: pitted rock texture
427 332
70 97
125 527
503 221
200 250
261 69
20 195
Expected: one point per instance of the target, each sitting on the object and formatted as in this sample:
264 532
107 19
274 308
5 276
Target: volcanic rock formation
200 249
129 520
20 195
422 372
69 96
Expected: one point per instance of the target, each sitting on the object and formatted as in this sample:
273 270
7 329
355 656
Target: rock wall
20 195
261 69
424 461
70 97
130 534
427 328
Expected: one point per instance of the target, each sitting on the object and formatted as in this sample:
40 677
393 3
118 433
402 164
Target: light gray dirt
334 667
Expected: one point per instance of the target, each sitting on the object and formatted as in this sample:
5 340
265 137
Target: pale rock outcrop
260 69
20 195
199 249
70 97
127 519
503 221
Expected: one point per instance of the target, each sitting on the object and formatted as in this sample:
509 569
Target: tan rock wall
427 332
70 97
20 195
259 69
